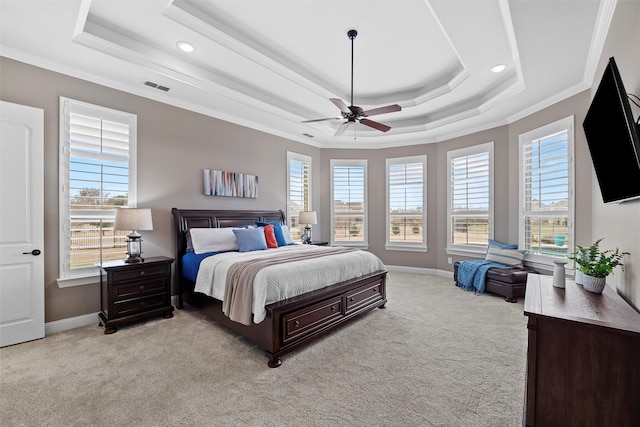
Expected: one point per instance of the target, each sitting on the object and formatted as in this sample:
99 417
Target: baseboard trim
420 270
70 323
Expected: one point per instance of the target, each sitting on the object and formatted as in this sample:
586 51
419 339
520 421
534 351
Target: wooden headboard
185 219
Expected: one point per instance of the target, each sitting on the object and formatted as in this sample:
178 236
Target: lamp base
133 259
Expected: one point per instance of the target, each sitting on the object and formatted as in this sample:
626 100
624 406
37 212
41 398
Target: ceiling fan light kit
353 113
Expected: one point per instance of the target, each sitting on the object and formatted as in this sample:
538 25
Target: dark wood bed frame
292 323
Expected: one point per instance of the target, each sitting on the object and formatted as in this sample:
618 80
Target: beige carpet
436 356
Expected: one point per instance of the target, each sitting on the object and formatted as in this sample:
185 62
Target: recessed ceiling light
186 47
498 68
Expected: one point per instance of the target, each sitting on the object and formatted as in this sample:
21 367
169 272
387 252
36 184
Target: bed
288 324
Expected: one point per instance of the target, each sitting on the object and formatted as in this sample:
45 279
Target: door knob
34 252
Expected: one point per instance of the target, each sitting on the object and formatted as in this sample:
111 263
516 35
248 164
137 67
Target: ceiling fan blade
321 120
341 105
382 110
343 127
375 125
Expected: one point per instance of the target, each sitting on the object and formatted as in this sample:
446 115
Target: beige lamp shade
308 217
133 219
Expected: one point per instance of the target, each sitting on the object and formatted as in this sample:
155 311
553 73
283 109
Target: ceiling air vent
156 85
308 135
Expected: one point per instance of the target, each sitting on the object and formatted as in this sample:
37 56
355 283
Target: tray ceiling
269 64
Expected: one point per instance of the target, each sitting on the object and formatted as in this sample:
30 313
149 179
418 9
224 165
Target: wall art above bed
230 184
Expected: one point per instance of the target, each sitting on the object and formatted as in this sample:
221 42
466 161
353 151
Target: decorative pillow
250 239
501 245
287 235
277 229
270 236
510 257
213 240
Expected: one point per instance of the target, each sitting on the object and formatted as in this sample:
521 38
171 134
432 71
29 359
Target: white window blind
349 201
470 196
406 218
299 190
546 188
96 177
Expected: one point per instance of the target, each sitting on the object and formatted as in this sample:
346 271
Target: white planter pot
578 277
594 284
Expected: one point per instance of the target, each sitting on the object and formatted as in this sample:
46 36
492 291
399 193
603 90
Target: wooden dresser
135 291
583 357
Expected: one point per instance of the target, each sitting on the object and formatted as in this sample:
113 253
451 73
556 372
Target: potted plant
596 264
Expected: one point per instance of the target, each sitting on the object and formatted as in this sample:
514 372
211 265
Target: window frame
406 246
364 243
89 275
487 147
565 124
292 156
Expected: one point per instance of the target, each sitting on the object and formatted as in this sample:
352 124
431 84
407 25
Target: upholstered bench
508 282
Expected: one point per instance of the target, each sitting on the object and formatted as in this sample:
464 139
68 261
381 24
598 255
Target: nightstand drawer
139 305
139 289
140 273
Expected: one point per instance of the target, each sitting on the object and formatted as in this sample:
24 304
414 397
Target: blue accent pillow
250 239
277 229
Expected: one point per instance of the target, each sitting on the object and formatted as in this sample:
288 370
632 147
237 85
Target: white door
21 223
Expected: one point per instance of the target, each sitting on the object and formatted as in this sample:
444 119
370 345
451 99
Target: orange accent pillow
270 236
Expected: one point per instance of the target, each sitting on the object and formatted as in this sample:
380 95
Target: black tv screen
613 139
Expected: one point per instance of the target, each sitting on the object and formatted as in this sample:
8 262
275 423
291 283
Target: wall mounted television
613 137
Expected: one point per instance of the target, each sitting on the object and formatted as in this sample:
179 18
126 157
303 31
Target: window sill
406 248
364 246
69 282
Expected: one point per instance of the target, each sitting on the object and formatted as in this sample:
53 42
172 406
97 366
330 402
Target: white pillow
511 257
213 240
287 235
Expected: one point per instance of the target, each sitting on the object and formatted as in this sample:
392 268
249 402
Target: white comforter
278 282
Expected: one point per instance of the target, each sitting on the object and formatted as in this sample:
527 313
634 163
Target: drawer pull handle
375 289
141 303
351 299
142 273
142 287
296 323
333 308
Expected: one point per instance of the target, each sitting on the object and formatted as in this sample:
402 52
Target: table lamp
133 219
307 217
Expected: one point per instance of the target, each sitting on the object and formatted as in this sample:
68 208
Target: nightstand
320 243
132 292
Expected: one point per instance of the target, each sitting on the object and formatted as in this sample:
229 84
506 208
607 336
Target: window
470 198
349 202
298 190
546 191
97 174
406 203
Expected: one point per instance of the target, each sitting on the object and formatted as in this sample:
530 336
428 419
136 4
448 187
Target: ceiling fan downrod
352 35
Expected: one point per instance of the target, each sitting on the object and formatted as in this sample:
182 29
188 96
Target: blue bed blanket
472 274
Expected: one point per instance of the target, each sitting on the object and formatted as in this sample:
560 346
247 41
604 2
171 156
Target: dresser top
146 262
574 303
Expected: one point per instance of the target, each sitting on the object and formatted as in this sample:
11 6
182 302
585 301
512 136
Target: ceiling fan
354 113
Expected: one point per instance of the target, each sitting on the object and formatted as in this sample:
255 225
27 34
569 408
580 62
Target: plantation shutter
406 200
349 202
470 199
546 194
299 192
99 143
